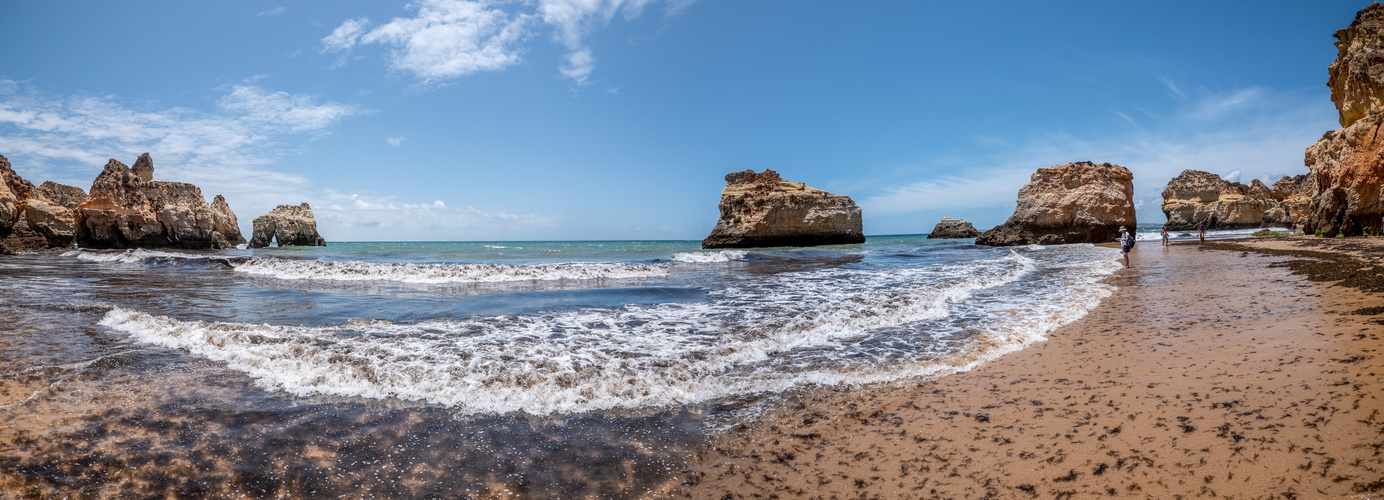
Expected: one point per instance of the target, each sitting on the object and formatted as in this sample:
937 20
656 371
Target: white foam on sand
762 335
709 257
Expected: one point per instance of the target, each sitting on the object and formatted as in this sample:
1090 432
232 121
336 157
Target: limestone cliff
128 209
953 228
1080 202
1195 197
287 225
34 218
763 210
1294 197
1348 164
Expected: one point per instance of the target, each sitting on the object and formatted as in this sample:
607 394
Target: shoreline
1234 368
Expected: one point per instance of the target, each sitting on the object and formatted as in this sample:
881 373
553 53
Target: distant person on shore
1126 244
1201 232
1164 233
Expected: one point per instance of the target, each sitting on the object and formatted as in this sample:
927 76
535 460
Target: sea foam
292 269
763 334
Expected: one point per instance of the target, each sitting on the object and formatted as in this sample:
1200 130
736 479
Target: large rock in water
953 228
763 210
127 209
1348 164
35 218
1195 197
1080 202
287 225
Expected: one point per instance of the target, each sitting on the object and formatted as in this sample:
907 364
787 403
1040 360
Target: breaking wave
768 334
442 273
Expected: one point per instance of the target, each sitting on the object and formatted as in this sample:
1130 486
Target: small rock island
1081 202
953 228
287 225
763 210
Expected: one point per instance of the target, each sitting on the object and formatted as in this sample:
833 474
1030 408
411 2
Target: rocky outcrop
1348 164
1294 198
763 210
35 218
1356 77
1080 202
287 225
953 228
1195 198
128 209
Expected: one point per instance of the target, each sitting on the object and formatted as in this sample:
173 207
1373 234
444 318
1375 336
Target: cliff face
127 209
763 210
953 228
1348 164
35 218
287 225
1294 197
1080 202
1197 197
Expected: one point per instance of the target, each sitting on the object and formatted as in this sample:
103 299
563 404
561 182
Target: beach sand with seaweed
1244 369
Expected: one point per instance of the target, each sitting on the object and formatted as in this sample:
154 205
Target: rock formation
953 228
1294 197
763 210
35 218
288 225
1195 197
1080 202
1348 164
128 209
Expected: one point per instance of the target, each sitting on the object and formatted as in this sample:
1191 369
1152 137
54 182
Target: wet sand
1245 369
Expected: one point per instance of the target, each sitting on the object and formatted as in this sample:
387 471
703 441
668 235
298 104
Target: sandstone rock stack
35 218
953 228
128 209
1348 164
763 210
1195 198
1294 197
1080 202
287 225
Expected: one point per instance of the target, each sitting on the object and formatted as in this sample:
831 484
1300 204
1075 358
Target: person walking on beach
1164 233
1126 244
1201 232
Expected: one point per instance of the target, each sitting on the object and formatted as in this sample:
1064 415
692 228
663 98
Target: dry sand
1214 371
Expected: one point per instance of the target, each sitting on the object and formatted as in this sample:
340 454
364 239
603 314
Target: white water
827 326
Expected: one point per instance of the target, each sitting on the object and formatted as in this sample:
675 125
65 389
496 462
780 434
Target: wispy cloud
229 150
448 39
1254 133
361 217
271 12
225 151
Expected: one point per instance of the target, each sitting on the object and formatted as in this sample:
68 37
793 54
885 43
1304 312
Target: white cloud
1233 176
271 12
224 152
283 111
394 141
448 39
360 217
345 36
1248 132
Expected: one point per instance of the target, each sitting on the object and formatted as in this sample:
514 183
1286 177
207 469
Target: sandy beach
1242 369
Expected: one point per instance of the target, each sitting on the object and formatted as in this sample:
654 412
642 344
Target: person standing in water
1201 232
1126 244
1164 233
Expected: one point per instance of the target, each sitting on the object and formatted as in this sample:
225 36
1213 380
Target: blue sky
608 119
